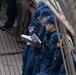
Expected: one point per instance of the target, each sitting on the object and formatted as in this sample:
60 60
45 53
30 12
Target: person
34 27
35 50
54 52
50 64
33 23
55 47
35 30
11 14
45 13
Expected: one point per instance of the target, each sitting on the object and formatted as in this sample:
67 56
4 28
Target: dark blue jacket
50 41
36 26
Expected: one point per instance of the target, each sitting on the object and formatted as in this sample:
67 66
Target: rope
61 48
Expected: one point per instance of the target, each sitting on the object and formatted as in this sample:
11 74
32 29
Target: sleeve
55 37
53 44
32 24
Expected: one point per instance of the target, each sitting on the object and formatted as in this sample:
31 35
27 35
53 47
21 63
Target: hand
31 29
59 44
30 42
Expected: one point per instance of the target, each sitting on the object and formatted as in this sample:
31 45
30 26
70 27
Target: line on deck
14 53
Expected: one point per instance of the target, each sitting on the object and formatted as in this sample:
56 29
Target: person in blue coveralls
35 50
33 25
52 62
41 5
54 53
33 28
11 14
45 13
36 26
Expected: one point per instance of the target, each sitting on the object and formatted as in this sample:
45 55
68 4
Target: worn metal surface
10 52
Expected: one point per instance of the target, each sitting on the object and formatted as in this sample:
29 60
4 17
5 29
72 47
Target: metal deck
10 52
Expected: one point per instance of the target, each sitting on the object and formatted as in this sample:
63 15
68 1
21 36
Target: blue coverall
28 47
32 53
40 57
48 64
